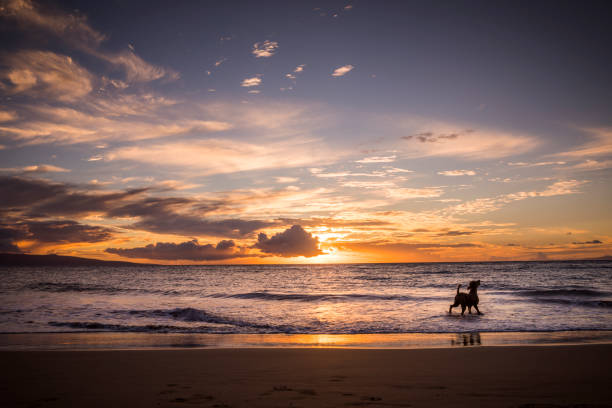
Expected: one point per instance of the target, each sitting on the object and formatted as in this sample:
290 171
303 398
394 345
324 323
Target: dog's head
474 284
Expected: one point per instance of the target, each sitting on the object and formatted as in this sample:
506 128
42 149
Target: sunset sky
306 132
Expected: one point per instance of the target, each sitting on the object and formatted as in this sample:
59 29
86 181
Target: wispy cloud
44 168
536 164
485 205
37 168
253 81
265 49
69 126
285 180
74 30
377 159
455 173
472 144
46 74
72 27
343 70
590 164
293 75
217 156
7 116
600 145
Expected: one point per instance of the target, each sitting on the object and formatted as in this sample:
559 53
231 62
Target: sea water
307 299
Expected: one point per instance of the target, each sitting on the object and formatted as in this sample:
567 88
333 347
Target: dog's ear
478 281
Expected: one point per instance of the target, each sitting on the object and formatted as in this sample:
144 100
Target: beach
509 376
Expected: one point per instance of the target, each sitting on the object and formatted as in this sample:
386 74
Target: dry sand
557 376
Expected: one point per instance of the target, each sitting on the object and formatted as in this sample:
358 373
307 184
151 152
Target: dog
467 299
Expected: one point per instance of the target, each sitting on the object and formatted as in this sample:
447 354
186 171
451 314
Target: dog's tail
458 286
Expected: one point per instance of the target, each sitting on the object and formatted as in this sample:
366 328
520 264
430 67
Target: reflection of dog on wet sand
467 299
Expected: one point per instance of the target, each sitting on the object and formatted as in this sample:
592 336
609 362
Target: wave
316 297
573 302
149 328
78 287
373 278
580 292
192 315
71 287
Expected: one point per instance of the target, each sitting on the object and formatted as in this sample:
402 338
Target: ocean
306 299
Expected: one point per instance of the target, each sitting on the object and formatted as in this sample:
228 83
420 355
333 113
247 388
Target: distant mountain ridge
57 260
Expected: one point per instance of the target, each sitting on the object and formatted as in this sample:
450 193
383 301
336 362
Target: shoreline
160 341
520 377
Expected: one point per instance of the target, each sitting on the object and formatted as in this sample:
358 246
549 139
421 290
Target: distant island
57 260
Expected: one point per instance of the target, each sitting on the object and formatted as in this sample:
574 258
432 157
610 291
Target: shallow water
307 299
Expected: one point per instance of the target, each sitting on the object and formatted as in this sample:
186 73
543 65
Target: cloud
44 168
189 250
454 233
485 205
264 49
68 126
7 116
220 61
253 81
593 242
394 249
470 144
50 231
38 168
66 232
285 180
294 241
192 224
589 165
431 137
377 159
74 30
137 69
219 156
368 184
455 173
537 164
402 193
600 145
293 75
70 27
343 70
46 74
165 215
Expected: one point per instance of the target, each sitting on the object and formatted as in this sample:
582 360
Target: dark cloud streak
189 250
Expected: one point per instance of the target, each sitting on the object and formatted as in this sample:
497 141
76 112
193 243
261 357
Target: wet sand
538 376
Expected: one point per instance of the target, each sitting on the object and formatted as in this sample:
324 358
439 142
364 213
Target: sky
306 131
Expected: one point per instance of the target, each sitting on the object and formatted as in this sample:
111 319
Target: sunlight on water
306 299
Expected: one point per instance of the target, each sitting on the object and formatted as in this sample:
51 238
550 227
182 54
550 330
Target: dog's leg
462 309
450 309
470 309
477 309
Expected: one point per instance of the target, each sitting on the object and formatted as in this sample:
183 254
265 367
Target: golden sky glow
229 141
